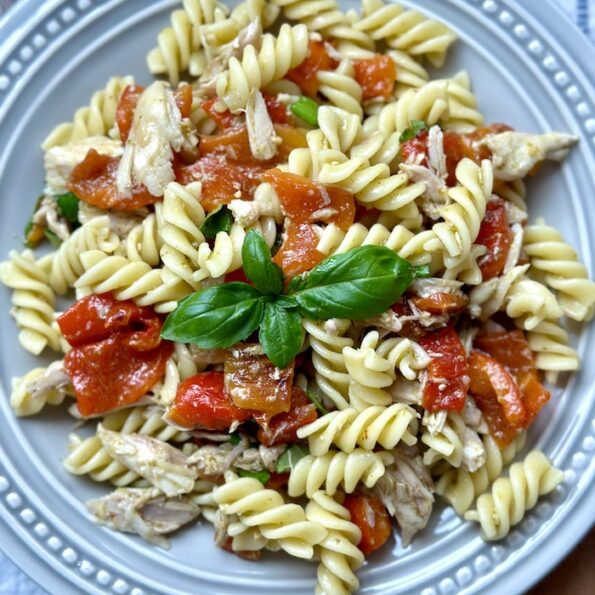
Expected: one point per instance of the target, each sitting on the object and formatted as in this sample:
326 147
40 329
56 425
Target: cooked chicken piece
59 161
387 321
157 131
516 247
424 318
47 216
164 466
409 392
54 378
206 357
474 453
250 35
245 212
436 154
515 154
434 421
473 416
406 490
514 213
261 131
433 285
144 511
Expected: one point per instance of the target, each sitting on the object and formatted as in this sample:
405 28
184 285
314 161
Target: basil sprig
415 127
358 284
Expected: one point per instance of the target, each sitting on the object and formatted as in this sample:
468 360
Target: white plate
531 69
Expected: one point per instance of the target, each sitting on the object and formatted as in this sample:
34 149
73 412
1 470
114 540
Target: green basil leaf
259 267
219 220
216 317
306 109
281 334
286 462
235 438
262 476
358 284
52 237
68 205
317 402
415 127
286 301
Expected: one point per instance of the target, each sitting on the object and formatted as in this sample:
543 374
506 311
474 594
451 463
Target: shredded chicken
515 154
245 212
431 321
164 466
435 196
121 222
250 35
157 130
54 378
406 490
385 323
516 247
433 285
59 161
474 452
434 421
473 417
515 214
406 391
261 131
47 216
144 511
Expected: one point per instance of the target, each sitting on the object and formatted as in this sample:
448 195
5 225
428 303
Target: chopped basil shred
359 284
415 127
68 206
317 402
306 109
262 476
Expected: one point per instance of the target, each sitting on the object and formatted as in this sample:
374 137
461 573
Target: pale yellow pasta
339 554
96 119
340 88
337 469
32 300
144 241
347 429
506 504
561 270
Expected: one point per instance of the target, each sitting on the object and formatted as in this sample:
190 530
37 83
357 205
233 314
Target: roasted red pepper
496 236
370 515
305 75
376 76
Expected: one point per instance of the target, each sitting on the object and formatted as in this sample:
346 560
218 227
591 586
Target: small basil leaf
358 284
52 237
281 334
219 220
235 438
258 266
306 109
68 205
216 317
317 402
286 462
262 476
415 127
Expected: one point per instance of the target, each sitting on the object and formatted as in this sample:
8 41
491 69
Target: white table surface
12 580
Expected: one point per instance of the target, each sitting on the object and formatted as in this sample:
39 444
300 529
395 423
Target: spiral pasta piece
337 469
90 457
374 362
462 218
178 368
561 269
460 487
340 88
181 216
326 18
406 30
96 119
257 69
130 280
550 344
265 509
410 73
328 341
33 301
339 554
347 429
144 241
179 46
65 265
511 497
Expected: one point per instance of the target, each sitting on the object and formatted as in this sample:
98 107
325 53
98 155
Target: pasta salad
306 298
